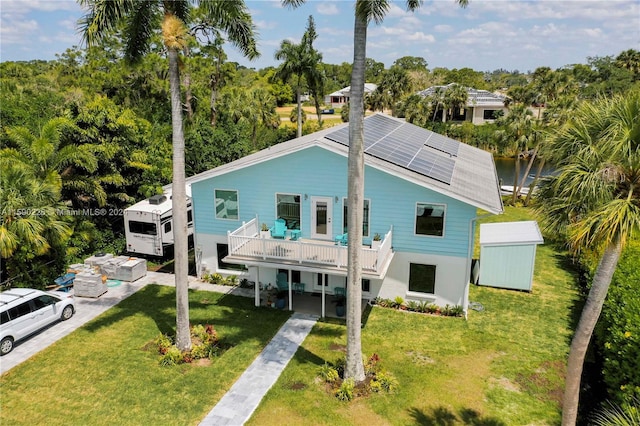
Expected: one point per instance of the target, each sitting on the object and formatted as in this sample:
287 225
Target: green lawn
103 374
504 366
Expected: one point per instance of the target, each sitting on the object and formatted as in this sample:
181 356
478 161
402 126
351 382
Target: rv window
167 227
142 228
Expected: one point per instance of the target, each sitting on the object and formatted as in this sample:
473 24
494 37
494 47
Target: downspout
257 288
465 297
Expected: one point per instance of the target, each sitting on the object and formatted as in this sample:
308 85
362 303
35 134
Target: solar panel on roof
403 144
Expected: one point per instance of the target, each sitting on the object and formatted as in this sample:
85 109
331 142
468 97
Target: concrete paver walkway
239 403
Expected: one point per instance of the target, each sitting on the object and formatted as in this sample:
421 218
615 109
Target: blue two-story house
422 195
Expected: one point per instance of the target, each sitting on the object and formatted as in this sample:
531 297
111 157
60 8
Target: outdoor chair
279 230
340 291
281 281
341 239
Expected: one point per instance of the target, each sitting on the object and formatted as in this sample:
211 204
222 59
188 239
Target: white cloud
328 8
421 37
443 28
18 31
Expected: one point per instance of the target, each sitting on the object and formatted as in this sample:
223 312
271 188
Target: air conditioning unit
157 199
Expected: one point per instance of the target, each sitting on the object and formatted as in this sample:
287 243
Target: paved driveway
89 308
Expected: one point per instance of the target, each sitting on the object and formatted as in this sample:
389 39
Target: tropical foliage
594 201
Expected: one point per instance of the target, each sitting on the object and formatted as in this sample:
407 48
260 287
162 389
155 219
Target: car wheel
6 345
67 312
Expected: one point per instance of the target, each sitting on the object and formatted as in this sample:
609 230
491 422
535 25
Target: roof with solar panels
475 97
405 150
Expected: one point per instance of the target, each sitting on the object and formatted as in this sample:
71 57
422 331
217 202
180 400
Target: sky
485 36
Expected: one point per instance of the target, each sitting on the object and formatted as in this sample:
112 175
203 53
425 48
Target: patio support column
257 287
289 275
323 302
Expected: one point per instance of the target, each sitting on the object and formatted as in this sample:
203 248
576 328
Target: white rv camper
148 224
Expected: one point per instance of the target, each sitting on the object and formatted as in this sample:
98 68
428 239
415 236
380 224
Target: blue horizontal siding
318 172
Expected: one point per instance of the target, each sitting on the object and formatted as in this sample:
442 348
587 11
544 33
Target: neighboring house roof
443 165
476 97
368 88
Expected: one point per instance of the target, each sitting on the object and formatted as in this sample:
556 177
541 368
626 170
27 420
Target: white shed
508 254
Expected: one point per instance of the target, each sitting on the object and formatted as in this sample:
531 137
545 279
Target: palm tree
365 11
394 85
300 60
51 161
516 131
455 97
29 224
140 20
595 200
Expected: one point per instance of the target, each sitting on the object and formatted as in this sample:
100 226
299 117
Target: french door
321 218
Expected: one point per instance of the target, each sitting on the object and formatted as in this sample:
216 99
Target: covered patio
311 303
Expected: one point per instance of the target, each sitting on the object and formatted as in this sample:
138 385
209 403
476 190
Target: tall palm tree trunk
179 208
527 170
584 330
515 180
299 103
355 190
535 181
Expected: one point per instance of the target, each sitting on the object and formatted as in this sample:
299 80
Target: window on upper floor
430 219
422 278
226 204
365 217
288 208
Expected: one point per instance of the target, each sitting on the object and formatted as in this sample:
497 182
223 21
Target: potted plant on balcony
264 231
377 240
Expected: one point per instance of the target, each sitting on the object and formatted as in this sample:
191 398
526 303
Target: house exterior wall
318 172
478 113
507 266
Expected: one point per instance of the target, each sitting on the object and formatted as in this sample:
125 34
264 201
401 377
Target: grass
504 366
103 373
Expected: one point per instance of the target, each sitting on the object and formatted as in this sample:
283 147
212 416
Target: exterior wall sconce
337 198
306 196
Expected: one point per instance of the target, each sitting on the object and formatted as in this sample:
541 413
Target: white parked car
24 311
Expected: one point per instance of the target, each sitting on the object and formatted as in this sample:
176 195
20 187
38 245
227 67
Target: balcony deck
246 246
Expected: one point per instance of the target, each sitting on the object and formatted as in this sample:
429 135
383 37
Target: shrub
346 390
163 342
172 356
329 374
372 365
397 302
618 332
412 305
384 381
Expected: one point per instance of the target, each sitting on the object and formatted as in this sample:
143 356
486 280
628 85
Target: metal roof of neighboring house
473 177
368 88
510 233
476 97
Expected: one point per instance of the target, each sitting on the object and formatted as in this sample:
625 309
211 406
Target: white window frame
215 202
415 219
344 206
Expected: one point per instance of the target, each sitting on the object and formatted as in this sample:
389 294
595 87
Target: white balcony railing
245 243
